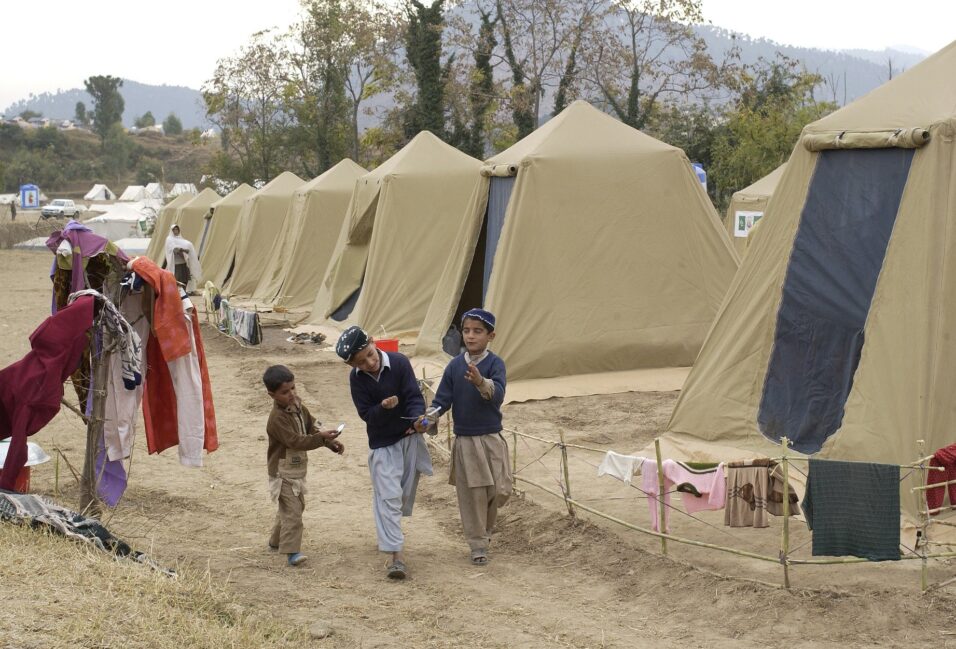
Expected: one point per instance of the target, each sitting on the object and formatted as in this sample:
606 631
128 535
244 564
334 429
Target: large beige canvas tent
260 221
219 232
301 253
747 207
600 254
165 220
191 216
401 220
837 331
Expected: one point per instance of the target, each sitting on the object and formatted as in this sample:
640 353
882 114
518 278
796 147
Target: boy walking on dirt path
387 398
292 433
473 388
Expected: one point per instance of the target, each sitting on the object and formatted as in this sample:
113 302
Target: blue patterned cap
480 314
353 340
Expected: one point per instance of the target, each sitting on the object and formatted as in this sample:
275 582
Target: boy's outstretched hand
336 447
390 402
473 375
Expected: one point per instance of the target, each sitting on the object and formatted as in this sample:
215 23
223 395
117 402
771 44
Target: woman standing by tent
182 260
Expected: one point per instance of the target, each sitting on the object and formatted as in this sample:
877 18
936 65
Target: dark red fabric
946 458
31 388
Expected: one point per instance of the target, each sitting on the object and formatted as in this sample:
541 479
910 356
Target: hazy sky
177 42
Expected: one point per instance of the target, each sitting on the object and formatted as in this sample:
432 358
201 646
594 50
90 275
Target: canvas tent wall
400 221
260 222
216 243
301 253
179 189
133 193
191 215
748 206
597 249
167 216
99 193
155 190
836 332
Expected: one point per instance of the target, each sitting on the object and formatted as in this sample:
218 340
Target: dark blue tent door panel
499 193
345 309
837 255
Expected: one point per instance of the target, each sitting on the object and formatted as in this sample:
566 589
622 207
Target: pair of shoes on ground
479 557
396 570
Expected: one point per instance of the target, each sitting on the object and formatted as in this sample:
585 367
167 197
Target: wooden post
56 475
514 453
785 541
660 495
567 474
924 519
94 429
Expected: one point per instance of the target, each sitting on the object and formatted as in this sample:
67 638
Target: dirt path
552 582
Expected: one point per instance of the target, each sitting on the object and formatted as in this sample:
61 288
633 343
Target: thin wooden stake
94 429
661 525
924 568
567 474
785 541
514 453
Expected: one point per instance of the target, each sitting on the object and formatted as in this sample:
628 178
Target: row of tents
607 267
132 193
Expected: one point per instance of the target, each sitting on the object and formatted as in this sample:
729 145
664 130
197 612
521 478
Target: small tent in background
133 193
600 254
192 213
167 216
301 253
99 193
155 190
219 232
260 221
120 222
747 207
837 331
400 221
183 188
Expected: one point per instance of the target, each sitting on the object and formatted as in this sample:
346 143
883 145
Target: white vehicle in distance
59 207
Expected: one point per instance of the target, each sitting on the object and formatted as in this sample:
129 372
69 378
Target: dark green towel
853 509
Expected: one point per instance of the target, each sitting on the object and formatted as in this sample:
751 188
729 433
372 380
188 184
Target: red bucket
22 483
387 344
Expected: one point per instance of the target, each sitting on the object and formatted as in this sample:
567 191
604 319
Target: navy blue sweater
385 427
473 414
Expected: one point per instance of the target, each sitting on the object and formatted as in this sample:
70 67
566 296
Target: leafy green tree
27 115
80 114
118 152
108 103
148 171
41 167
172 125
145 121
775 102
423 47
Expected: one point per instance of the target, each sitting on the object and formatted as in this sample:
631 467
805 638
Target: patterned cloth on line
853 509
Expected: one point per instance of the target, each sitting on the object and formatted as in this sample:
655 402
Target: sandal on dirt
397 570
479 557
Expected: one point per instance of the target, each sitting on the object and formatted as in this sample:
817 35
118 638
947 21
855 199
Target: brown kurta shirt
290 429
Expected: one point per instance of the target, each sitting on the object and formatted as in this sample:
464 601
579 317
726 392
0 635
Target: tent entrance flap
499 193
838 251
345 309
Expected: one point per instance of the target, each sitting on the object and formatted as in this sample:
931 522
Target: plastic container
387 344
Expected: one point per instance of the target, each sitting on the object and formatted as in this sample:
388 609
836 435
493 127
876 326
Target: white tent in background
182 188
120 222
155 190
133 193
99 193
133 245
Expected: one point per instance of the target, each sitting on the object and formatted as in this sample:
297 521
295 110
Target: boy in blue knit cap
473 388
387 398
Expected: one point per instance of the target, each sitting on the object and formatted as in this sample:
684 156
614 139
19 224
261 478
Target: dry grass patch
13 232
59 593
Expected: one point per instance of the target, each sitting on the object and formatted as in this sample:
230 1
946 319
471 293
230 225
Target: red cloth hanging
946 458
31 388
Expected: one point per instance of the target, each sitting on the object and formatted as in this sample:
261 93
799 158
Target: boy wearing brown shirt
292 433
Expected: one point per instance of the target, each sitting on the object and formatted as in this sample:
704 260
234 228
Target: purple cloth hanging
85 243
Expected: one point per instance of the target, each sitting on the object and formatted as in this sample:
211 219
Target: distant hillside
139 97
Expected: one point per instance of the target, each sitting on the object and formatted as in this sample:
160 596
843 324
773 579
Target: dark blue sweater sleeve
369 408
497 374
446 388
410 398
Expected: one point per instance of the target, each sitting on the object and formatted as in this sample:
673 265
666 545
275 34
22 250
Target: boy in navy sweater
473 387
387 398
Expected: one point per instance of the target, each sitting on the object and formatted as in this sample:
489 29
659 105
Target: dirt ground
553 581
